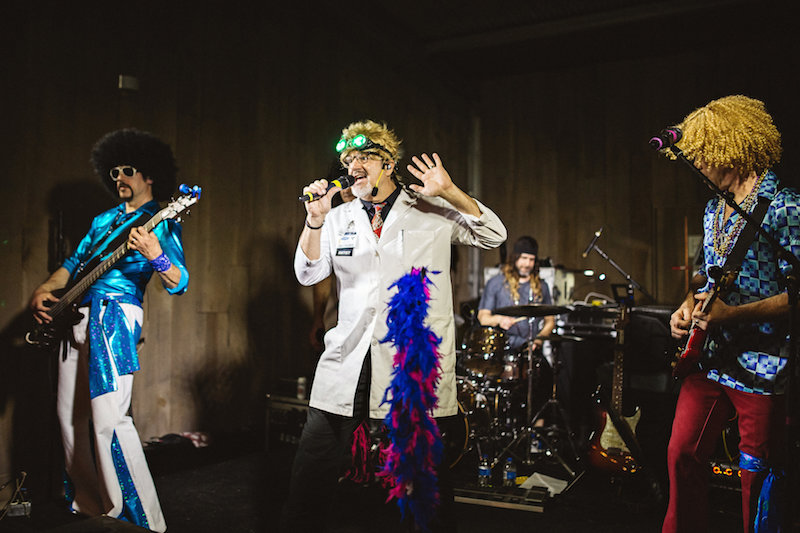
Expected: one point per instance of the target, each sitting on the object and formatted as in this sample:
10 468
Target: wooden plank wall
252 103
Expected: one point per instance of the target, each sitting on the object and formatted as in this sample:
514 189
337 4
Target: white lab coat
417 233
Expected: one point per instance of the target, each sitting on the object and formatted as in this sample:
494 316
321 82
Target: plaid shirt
750 357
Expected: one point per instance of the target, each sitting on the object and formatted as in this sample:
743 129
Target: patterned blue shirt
750 356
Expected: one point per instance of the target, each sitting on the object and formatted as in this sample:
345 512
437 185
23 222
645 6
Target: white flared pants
103 454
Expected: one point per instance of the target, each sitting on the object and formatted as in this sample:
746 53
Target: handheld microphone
591 244
666 138
342 182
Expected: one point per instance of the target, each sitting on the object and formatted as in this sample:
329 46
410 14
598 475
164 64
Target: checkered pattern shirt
750 357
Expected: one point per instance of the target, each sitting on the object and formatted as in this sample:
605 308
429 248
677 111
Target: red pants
703 409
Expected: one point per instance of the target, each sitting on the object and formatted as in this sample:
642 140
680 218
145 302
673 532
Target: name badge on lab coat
346 243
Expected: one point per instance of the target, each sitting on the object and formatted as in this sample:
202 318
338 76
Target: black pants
324 454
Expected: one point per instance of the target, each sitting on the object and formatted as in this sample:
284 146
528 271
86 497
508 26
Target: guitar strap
95 256
746 236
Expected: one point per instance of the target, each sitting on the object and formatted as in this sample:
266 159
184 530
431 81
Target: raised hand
435 179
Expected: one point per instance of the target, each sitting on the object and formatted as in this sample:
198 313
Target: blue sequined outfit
106 469
124 283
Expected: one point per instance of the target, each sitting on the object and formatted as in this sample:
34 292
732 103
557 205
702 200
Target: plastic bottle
484 472
510 473
536 444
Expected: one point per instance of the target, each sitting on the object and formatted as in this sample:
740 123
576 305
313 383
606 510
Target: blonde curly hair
377 133
731 132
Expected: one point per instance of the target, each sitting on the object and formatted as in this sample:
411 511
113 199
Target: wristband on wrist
313 227
161 263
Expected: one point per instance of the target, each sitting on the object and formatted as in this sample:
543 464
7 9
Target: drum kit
508 396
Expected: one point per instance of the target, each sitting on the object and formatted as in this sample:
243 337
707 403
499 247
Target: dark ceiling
511 36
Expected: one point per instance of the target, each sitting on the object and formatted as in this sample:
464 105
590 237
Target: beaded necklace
724 241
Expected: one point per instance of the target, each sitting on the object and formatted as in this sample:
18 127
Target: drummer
518 283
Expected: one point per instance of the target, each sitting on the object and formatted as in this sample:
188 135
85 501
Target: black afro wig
141 150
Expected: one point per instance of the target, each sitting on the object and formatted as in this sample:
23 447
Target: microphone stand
793 292
632 282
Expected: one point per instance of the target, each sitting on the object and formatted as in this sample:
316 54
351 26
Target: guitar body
686 362
48 336
608 450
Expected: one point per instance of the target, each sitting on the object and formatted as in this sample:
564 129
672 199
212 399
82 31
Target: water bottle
510 473
484 472
536 444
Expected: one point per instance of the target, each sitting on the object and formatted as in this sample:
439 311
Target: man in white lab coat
414 227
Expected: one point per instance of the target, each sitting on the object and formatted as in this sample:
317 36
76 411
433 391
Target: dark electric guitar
65 311
687 360
614 446
609 447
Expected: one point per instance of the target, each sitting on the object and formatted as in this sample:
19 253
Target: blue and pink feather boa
415 448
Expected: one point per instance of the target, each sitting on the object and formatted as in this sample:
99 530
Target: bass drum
486 412
455 438
473 414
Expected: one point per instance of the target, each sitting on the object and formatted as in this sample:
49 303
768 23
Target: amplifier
285 419
725 475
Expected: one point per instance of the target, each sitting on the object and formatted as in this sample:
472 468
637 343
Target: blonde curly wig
377 133
731 132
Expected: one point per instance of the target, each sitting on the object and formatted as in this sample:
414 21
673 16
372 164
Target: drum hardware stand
544 434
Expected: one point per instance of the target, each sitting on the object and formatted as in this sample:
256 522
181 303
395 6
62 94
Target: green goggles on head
360 142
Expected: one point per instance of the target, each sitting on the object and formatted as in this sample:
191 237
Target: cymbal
595 311
554 337
530 310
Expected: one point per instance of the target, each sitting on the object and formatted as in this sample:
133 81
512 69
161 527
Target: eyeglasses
128 170
359 142
361 158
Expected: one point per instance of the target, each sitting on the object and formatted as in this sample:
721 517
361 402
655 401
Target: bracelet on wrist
309 226
161 263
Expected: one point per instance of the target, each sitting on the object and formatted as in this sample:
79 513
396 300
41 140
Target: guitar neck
617 378
77 290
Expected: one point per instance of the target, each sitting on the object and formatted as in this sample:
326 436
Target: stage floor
242 489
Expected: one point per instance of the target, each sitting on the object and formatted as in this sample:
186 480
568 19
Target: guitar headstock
191 195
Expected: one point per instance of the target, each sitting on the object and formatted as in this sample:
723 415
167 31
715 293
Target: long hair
141 150
511 275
